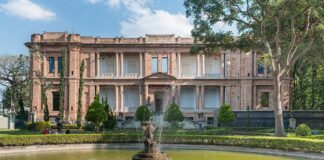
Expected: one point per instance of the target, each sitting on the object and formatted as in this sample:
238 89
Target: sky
19 19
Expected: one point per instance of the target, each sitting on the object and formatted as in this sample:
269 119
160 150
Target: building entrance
158 100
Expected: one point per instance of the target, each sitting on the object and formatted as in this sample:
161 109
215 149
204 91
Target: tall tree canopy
285 30
14 76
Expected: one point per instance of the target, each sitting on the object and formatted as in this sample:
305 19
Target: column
173 94
254 99
146 93
221 90
97 63
121 98
116 99
223 64
197 98
117 65
98 90
202 98
198 65
44 64
178 95
140 95
141 65
179 64
121 64
159 62
203 65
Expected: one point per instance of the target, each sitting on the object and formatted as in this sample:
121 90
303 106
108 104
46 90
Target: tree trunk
280 129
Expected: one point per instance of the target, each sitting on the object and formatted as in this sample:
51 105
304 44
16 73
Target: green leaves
143 113
225 115
173 115
96 113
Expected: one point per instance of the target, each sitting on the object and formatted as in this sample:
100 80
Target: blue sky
105 18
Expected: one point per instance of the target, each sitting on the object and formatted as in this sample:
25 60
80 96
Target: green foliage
15 81
303 130
80 93
96 113
143 113
225 115
62 85
110 122
308 83
286 30
264 99
286 144
44 88
38 126
173 115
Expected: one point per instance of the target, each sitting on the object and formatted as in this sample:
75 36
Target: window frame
152 66
51 64
166 67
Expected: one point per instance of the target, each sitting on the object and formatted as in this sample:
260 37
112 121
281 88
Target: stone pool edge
39 148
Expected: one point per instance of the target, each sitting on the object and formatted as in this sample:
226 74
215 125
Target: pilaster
197 98
121 99
141 65
116 99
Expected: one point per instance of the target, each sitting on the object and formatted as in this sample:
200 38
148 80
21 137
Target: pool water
114 154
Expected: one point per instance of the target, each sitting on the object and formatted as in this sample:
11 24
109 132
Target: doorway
158 99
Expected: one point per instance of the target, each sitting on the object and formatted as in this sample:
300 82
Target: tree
308 85
44 88
81 82
225 115
284 29
143 113
110 122
14 76
173 115
62 86
96 113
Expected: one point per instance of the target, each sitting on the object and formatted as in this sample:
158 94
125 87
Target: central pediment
160 75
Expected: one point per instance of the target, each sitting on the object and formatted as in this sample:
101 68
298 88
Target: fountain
151 151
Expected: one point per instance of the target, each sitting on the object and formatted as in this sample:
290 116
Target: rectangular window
56 101
154 64
51 64
59 64
165 64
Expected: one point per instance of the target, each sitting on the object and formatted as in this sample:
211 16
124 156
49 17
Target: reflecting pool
123 154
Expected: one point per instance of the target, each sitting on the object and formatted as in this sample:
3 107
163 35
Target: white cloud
142 20
157 22
94 1
27 9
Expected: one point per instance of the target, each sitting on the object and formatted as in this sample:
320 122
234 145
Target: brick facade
238 80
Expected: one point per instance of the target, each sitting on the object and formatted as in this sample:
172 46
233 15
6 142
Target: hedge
287 144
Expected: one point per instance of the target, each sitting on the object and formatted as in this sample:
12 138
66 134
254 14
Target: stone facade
129 70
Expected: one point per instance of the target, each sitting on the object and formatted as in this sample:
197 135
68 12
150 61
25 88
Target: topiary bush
143 113
225 115
38 126
96 113
303 130
173 115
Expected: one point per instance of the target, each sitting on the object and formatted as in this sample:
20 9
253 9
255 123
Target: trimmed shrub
96 113
225 115
303 130
143 113
38 126
173 115
286 143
